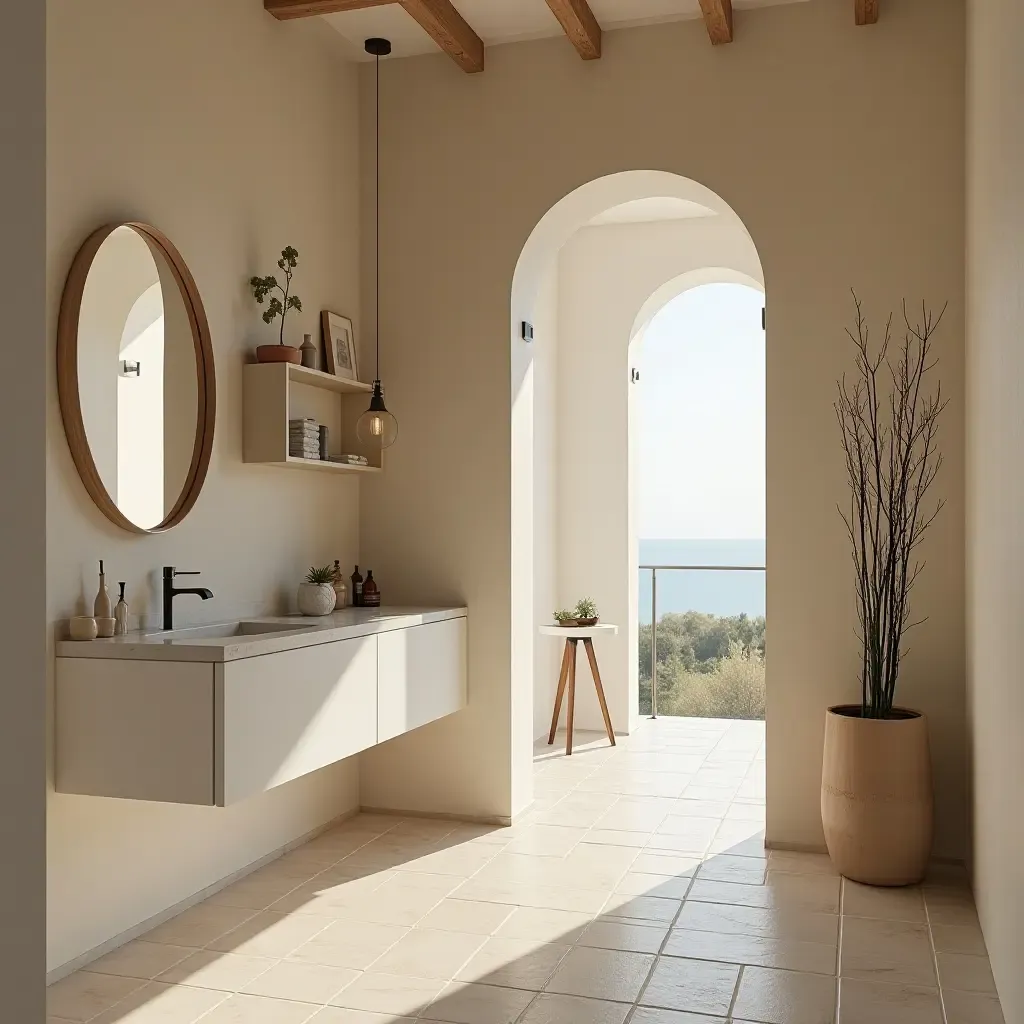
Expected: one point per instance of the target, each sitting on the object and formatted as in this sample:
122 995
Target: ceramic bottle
121 614
101 607
308 351
340 587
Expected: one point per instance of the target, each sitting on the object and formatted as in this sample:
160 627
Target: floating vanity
215 714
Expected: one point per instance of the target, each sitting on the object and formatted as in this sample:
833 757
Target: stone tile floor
637 889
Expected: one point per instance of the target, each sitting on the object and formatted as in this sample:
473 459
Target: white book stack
304 439
349 460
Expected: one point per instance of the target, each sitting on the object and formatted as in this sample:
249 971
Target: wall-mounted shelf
278 392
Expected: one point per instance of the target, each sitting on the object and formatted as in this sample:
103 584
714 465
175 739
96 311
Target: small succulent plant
564 616
585 609
321 576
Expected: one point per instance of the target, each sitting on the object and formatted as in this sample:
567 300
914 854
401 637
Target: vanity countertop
232 641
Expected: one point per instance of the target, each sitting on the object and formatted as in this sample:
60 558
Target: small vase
308 352
277 354
316 599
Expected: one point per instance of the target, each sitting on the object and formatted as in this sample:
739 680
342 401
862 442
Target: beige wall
22 515
841 149
235 135
995 506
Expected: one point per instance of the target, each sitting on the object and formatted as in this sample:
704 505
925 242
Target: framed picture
339 345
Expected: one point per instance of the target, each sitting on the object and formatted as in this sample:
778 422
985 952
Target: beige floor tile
640 883
514 963
640 908
739 811
82 995
951 906
340 1015
893 952
388 993
199 925
556 1009
422 881
726 868
755 950
692 985
349 944
965 973
650 1015
243 1009
885 904
270 934
797 892
799 925
738 842
666 863
635 815
310 983
546 840
602 974
701 809
802 863
255 894
955 938
559 926
871 1002
477 1004
141 959
785 997
466 916
971 1008
392 904
545 897
626 935
163 1004
616 837
461 861
689 843
227 972
425 953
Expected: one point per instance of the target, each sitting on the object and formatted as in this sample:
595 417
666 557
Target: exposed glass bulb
377 428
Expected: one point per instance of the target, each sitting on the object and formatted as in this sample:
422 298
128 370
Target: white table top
601 629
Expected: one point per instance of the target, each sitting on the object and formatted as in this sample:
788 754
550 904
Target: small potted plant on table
278 306
565 618
316 594
876 784
586 612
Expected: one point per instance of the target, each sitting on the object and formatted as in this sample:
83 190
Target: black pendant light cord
376 197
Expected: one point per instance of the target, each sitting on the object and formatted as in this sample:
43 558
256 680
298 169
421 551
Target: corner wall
995 492
841 150
23 516
165 113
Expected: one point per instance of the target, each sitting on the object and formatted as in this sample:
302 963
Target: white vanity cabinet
214 722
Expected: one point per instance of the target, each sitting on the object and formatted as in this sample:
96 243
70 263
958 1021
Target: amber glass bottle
371 592
357 588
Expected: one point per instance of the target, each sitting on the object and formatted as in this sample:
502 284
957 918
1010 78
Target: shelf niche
278 392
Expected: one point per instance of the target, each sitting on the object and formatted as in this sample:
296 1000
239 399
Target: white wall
995 493
162 113
607 274
841 149
22 514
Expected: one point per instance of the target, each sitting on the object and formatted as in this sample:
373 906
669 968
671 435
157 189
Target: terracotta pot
876 795
316 599
587 622
277 354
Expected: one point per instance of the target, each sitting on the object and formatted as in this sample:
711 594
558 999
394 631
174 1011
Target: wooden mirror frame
67 377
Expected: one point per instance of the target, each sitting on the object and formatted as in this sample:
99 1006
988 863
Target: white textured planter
316 599
876 795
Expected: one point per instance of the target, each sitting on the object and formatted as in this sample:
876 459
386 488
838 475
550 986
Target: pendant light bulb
377 428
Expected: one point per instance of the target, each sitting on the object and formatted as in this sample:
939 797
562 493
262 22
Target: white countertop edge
348 624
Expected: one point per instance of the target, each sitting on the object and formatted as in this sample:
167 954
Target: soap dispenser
121 614
101 607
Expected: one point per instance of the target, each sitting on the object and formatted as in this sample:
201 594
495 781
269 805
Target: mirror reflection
138 377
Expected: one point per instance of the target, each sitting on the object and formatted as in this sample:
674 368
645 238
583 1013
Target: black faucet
171 592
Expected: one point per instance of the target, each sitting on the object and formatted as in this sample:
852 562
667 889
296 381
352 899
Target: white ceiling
508 21
641 211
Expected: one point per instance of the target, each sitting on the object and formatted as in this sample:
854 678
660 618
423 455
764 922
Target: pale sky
700 417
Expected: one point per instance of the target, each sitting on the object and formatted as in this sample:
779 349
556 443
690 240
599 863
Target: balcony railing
654 570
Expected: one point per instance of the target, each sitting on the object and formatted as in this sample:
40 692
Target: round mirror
135 376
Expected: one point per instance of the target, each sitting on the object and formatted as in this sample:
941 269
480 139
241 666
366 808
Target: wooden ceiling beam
444 24
718 18
580 25
865 12
285 10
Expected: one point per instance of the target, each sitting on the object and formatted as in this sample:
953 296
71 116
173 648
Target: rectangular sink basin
226 630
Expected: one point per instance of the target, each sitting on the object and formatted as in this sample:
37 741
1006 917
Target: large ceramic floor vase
876 795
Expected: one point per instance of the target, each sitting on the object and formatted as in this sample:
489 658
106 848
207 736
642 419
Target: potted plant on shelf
585 612
565 618
876 786
316 594
278 306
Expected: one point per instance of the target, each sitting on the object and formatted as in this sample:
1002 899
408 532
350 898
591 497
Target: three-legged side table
567 676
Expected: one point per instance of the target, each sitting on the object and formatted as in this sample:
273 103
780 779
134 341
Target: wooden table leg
589 645
563 674
572 698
